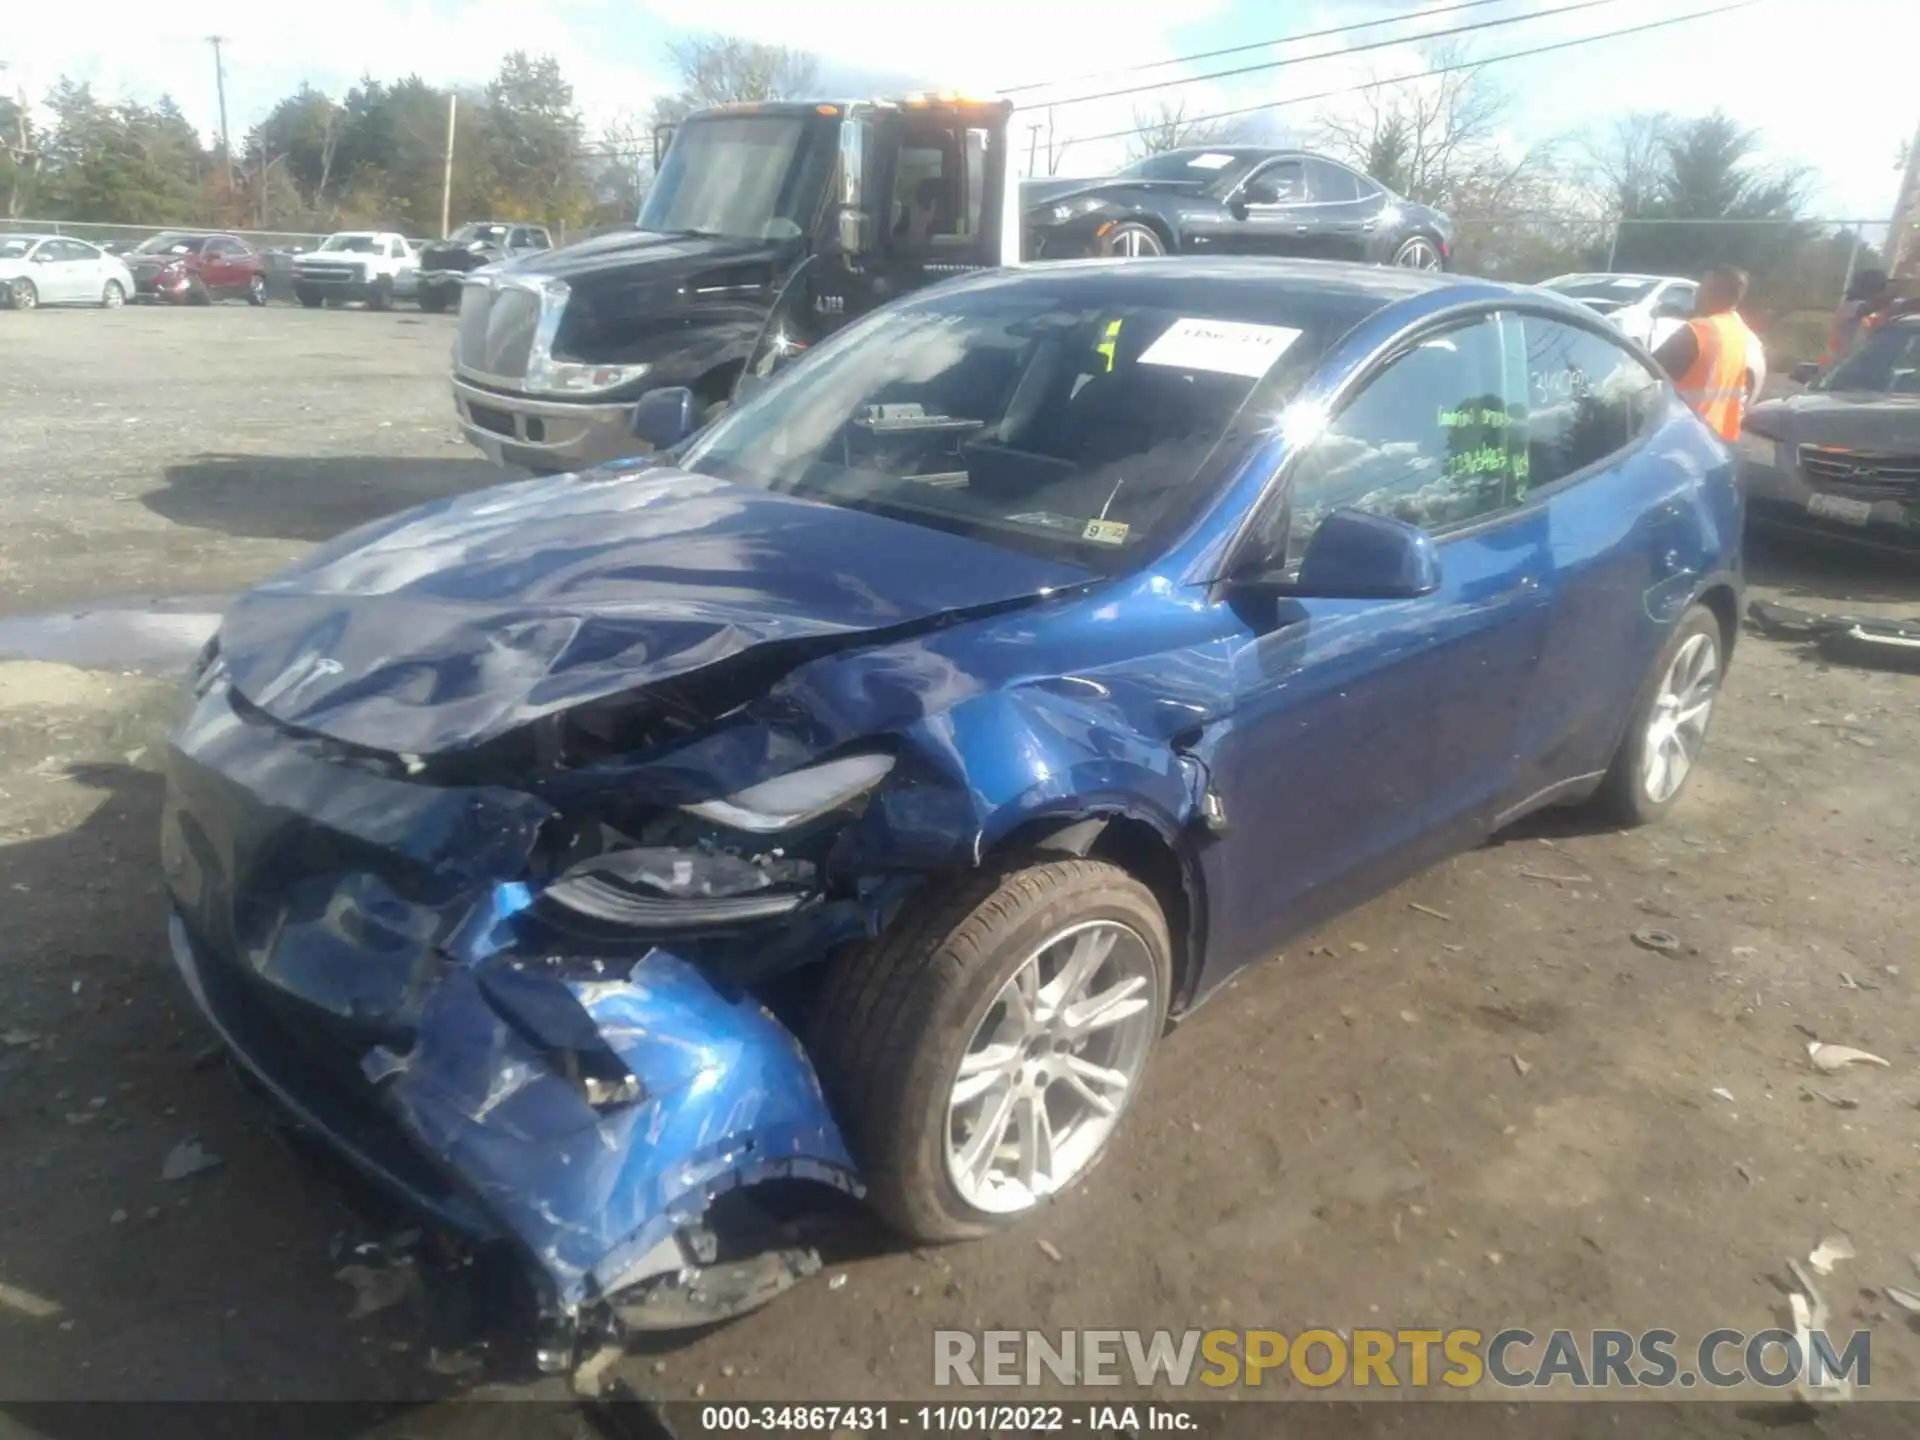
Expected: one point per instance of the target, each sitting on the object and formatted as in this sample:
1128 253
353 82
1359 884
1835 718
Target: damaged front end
541 1031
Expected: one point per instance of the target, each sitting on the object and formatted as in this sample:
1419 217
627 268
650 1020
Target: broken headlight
653 887
790 800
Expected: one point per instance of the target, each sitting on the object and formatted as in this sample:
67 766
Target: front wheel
1132 240
434 300
21 294
312 299
380 297
114 296
1669 723
1418 252
198 294
257 290
983 1051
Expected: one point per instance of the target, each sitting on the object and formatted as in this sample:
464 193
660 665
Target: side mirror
855 235
1357 556
665 417
1806 372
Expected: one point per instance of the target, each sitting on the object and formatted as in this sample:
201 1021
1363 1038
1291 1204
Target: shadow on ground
286 497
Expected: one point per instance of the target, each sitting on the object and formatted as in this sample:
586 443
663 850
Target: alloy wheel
1051 1067
113 297
1418 253
1678 725
22 295
1136 242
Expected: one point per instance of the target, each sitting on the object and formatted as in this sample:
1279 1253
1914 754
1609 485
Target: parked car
368 265
1234 200
1842 457
197 268
59 270
1647 309
851 790
445 264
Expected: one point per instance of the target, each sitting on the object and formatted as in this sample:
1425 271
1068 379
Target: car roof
1218 273
25 235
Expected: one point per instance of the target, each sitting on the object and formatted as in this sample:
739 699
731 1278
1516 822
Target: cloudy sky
1801 71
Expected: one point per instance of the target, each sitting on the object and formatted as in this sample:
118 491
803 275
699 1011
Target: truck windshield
352 244
749 177
1887 362
1080 418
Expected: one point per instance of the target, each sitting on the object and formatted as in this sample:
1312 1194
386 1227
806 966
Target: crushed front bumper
355 939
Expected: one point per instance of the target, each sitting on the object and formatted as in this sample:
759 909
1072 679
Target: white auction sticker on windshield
1230 347
1209 162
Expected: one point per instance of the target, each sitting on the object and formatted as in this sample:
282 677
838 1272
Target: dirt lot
1503 1113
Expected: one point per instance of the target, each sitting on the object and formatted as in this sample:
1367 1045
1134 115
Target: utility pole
1033 145
446 178
220 87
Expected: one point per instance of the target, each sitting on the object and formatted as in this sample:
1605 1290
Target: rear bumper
549 435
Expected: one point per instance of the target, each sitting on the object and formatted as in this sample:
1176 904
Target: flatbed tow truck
767 226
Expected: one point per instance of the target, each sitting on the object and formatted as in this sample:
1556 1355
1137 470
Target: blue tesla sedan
851 792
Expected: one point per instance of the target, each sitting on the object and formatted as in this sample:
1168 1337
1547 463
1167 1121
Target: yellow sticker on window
1105 532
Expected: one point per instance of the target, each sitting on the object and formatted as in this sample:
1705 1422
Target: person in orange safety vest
1707 357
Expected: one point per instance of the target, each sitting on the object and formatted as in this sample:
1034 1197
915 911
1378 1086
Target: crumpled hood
452 624
1882 424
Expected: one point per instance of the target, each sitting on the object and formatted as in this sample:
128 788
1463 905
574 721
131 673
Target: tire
312 299
114 296
257 291
21 295
434 301
897 1017
1419 252
1629 795
380 295
1132 240
197 293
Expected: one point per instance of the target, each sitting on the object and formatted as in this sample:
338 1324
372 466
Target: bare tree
1623 164
1164 126
725 70
1429 138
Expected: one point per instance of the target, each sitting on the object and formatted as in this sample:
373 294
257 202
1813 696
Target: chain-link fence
128 236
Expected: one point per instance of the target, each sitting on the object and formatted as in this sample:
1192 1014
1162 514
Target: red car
197 269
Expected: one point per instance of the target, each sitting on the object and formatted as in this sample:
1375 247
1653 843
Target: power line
1295 39
1432 71
1333 54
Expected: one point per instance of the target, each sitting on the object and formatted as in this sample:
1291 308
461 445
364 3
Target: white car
59 270
1649 308
369 265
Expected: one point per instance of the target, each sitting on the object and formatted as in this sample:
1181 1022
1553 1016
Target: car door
1345 212
1268 213
1622 528
62 274
1371 737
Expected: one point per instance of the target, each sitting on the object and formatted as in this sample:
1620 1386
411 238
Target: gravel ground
1474 1102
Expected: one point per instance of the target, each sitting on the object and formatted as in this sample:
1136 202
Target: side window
538 240
1281 183
397 249
217 246
1331 183
517 238
922 207
1588 397
1437 438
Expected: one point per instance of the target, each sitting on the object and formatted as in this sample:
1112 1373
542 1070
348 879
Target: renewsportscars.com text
1391 1359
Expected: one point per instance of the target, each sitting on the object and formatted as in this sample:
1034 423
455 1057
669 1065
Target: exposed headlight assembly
567 377
797 797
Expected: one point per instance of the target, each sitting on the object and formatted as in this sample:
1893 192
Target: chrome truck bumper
544 435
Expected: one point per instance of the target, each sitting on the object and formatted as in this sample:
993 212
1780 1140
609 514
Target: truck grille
1892 476
497 326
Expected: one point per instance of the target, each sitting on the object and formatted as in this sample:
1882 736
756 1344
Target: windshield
352 244
1181 165
1887 362
171 244
1079 419
751 177
16 247
480 232
1624 289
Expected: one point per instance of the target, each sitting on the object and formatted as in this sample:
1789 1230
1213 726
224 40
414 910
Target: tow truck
767 226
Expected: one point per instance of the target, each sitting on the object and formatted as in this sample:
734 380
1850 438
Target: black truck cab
766 227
